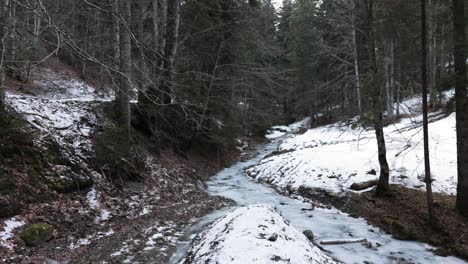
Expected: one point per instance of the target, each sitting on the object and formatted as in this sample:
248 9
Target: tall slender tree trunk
171 36
427 164
383 184
398 90
13 46
461 104
162 29
141 40
356 59
116 32
389 79
155 35
123 94
3 32
36 30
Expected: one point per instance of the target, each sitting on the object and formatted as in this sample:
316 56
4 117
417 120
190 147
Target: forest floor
48 175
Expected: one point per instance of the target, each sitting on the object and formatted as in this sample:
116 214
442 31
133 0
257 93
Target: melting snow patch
93 201
254 234
81 242
333 157
9 226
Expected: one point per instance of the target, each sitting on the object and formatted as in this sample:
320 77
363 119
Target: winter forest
233 131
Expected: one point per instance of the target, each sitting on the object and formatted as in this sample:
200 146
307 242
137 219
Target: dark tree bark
171 37
376 91
461 104
427 164
141 39
116 34
123 94
3 32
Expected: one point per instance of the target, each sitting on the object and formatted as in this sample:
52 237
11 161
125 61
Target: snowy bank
333 157
254 234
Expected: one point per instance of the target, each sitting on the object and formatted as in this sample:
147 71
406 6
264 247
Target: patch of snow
123 250
272 134
146 210
93 201
333 157
279 131
81 242
254 234
9 226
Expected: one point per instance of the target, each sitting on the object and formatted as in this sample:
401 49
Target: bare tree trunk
155 35
461 104
398 90
162 30
36 29
116 32
13 46
141 40
383 185
172 35
389 79
356 61
3 32
427 164
123 94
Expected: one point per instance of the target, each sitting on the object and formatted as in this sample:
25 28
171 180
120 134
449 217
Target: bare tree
383 185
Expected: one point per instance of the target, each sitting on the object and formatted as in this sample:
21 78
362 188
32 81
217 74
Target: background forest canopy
213 69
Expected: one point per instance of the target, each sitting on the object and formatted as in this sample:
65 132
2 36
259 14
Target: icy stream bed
325 223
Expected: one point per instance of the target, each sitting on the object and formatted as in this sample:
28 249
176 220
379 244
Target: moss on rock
400 231
37 234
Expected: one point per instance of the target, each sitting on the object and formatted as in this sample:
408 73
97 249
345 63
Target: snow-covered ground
9 226
254 234
62 109
335 156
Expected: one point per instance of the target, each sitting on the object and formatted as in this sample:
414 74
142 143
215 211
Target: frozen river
325 223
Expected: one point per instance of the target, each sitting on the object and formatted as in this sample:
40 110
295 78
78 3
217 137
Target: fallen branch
342 241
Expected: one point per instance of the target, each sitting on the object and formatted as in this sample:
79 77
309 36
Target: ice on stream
254 234
325 223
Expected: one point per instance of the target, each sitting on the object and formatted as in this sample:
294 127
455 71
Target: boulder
37 234
273 237
309 234
400 231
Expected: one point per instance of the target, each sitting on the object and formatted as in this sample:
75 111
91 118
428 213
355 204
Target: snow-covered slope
254 234
335 156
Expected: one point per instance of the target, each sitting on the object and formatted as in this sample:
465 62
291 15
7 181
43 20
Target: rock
37 234
309 234
372 172
367 244
400 231
363 185
273 237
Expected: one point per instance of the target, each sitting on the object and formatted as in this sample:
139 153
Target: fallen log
342 241
363 185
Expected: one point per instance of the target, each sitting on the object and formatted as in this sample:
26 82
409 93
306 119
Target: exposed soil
408 209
